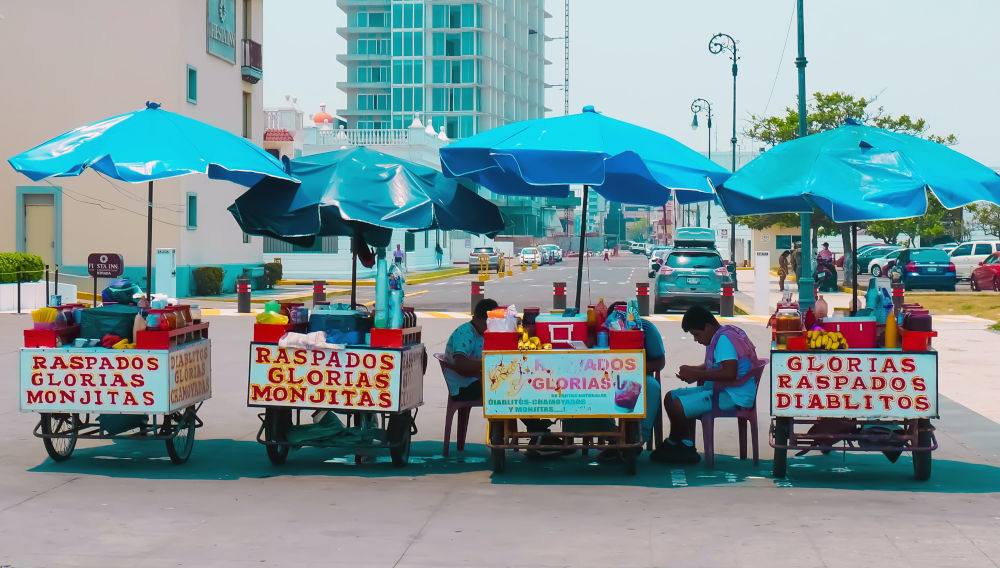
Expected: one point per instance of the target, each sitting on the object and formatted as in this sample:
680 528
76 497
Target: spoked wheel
399 435
180 445
498 455
277 421
631 455
781 429
922 459
876 270
64 425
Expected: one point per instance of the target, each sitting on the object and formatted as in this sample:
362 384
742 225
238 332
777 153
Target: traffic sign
105 265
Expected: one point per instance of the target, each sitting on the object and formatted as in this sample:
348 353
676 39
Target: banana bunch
526 343
830 340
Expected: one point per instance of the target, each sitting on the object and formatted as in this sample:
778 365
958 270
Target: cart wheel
922 459
179 447
399 438
66 425
277 421
498 455
781 428
631 455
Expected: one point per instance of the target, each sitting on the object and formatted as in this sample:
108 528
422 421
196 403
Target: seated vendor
463 371
729 355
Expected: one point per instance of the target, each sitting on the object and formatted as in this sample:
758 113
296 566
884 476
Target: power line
781 59
107 206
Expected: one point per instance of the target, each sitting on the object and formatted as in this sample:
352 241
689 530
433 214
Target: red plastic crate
916 340
859 334
47 337
500 340
268 332
397 338
626 339
559 333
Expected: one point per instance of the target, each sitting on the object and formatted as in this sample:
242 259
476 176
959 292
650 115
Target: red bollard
558 295
243 295
897 296
478 293
319 292
727 306
642 295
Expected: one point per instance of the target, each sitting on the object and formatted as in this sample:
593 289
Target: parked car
656 260
969 254
493 259
531 255
926 268
881 264
553 250
648 249
692 273
637 248
867 254
986 276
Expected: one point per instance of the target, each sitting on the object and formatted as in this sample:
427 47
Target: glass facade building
463 66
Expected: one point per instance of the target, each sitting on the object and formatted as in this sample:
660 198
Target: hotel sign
221 29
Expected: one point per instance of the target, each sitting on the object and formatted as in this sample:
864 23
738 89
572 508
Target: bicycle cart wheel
781 429
631 455
180 445
922 459
398 435
277 421
63 425
498 455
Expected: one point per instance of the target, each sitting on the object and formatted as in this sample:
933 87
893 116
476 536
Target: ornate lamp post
719 43
697 106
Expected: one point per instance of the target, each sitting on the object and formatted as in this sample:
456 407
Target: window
192 85
247 110
246 238
408 16
983 248
397 16
427 237
409 242
962 250
192 210
247 12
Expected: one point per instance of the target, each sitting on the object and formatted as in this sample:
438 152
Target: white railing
272 119
363 137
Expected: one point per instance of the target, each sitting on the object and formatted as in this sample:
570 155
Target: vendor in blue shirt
729 355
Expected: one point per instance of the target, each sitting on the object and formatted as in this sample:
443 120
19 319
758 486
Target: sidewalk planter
33 295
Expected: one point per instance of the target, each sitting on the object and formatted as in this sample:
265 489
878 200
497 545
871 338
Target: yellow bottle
891 332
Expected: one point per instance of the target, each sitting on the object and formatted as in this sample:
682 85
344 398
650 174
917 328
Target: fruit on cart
526 343
830 340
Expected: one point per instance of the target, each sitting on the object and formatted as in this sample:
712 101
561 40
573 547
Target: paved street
124 504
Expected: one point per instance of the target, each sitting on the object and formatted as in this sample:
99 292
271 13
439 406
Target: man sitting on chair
463 371
729 356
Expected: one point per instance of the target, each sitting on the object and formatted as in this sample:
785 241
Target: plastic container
381 293
600 313
195 314
561 331
272 306
822 308
859 331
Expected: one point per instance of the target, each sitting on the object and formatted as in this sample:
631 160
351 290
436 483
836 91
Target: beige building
68 63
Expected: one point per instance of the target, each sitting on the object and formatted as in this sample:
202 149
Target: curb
417 279
302 299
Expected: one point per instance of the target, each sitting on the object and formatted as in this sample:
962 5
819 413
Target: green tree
827 111
638 230
987 217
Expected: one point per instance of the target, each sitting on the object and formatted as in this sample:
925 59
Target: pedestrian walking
783 269
606 258
438 254
397 256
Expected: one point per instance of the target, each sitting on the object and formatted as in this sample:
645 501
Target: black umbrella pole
354 275
854 268
149 245
583 238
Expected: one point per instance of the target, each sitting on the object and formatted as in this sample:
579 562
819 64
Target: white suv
969 254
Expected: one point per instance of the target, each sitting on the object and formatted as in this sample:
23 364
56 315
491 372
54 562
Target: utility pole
806 291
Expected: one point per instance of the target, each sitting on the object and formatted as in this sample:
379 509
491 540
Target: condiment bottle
600 313
822 308
891 332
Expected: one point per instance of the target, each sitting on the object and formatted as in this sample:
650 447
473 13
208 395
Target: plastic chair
463 408
744 415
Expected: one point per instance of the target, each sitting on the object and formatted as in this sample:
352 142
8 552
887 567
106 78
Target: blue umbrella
147 145
361 193
621 161
857 173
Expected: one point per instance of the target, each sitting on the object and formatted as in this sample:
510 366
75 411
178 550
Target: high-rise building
462 67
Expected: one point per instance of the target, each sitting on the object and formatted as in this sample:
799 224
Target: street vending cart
150 392
864 399
558 384
378 387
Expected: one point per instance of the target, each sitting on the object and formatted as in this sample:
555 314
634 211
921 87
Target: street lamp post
719 43
701 105
807 296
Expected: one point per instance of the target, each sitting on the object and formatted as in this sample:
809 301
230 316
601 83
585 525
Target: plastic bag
272 318
502 320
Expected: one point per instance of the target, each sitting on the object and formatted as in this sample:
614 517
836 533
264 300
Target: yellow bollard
534 266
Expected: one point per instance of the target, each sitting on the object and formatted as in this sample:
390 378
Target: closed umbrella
147 145
621 161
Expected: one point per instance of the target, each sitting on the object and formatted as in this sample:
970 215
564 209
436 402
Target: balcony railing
272 119
363 137
252 61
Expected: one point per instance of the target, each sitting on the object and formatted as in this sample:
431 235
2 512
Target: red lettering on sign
897 384
889 366
783 400
822 382
907 365
886 400
384 400
382 381
784 381
795 363
921 403
918 384
299 357
804 383
38 362
388 362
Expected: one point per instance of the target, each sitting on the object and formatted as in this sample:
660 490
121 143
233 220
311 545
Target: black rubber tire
781 428
631 455
398 435
179 447
59 449
498 456
973 284
876 270
996 284
922 459
277 421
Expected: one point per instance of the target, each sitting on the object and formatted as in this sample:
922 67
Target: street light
701 105
719 43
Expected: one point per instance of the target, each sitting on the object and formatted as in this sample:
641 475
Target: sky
645 61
